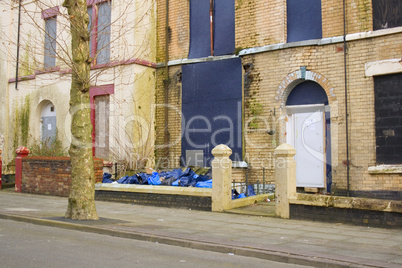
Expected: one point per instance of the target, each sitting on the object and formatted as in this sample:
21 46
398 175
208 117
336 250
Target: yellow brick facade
261 23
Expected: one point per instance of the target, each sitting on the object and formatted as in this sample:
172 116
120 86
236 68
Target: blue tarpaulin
128 180
154 179
107 178
204 184
176 177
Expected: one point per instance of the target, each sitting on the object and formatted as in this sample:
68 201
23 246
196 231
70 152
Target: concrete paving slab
300 242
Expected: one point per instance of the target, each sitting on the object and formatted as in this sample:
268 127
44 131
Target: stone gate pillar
285 178
221 178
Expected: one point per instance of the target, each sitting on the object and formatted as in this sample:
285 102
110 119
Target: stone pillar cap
221 150
285 150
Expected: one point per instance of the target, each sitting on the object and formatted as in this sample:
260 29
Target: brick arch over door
297 77
289 83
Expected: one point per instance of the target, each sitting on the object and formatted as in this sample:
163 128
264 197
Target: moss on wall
27 61
364 14
21 123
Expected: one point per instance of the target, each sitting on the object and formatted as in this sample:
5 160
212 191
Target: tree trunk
81 202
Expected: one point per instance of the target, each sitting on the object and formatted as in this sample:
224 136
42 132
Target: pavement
307 243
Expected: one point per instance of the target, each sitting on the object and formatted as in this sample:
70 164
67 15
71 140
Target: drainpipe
346 100
18 44
211 24
166 80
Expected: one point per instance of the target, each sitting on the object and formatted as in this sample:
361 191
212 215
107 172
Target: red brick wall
51 175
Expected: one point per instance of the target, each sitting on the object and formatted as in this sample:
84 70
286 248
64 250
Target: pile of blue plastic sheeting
176 177
250 192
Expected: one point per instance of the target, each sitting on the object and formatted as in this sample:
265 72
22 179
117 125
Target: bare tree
74 52
81 203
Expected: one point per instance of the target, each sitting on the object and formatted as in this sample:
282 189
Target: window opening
100 27
387 14
50 42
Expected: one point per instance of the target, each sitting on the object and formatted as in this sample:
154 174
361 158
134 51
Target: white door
305 132
48 123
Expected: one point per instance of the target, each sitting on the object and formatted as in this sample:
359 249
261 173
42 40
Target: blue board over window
303 20
200 34
212 107
224 27
200 28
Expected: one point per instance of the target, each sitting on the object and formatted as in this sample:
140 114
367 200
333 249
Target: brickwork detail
346 216
51 175
152 199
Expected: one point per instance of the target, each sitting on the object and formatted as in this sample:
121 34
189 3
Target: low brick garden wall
51 175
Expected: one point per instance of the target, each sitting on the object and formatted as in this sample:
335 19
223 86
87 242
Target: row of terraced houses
172 79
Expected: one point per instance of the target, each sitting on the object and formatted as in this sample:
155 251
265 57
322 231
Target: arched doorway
48 123
308 131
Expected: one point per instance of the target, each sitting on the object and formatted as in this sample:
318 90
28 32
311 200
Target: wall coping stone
346 202
385 169
152 189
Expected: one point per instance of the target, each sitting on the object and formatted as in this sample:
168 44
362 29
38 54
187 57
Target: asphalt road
28 245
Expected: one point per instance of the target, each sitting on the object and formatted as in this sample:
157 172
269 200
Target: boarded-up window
224 27
102 126
212 109
100 114
103 44
99 26
387 14
215 16
388 118
50 42
303 20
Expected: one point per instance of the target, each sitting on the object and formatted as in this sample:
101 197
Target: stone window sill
385 169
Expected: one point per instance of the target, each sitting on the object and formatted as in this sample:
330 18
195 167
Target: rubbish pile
200 178
175 177
249 192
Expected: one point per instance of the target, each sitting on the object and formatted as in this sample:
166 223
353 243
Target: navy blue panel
200 33
307 92
212 81
224 27
212 107
303 20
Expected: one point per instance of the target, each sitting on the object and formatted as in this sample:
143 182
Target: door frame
93 92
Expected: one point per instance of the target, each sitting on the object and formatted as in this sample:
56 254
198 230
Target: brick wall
254 25
168 157
51 175
179 29
346 216
273 75
152 199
